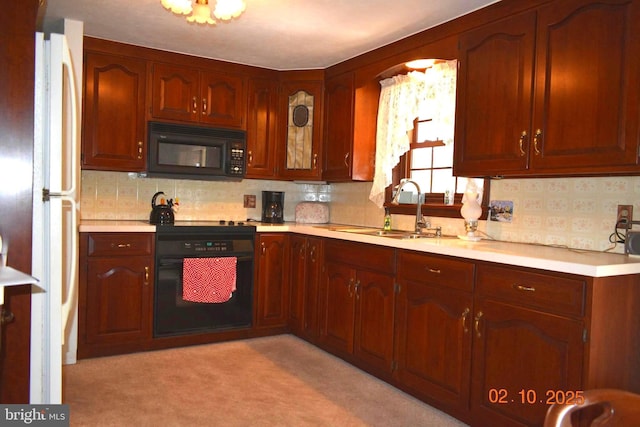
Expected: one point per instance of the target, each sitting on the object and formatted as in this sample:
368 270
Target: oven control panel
208 246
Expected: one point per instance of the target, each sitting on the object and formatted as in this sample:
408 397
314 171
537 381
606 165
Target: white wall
575 212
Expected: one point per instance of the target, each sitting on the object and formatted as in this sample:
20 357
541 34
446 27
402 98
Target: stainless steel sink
393 234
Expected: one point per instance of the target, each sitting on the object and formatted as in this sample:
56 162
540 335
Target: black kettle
161 214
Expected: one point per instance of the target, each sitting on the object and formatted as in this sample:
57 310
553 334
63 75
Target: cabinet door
175 93
586 102
113 131
521 354
338 317
301 110
118 300
271 280
297 281
493 106
222 100
433 347
261 128
313 269
375 301
338 127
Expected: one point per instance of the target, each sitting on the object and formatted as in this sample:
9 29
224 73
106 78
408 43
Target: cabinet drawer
120 244
435 270
548 292
371 257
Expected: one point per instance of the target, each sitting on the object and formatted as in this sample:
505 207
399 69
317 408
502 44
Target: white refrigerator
55 216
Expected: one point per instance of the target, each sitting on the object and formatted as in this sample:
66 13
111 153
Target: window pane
421 158
423 178
443 156
443 180
426 131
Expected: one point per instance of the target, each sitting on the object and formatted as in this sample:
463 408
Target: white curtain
402 98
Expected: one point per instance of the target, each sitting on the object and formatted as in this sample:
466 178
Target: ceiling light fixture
199 11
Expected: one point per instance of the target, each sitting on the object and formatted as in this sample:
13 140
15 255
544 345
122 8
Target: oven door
175 316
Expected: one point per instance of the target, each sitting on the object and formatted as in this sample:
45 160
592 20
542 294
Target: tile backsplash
575 212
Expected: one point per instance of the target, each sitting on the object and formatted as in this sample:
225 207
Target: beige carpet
273 381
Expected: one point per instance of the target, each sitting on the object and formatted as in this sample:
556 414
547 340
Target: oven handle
163 262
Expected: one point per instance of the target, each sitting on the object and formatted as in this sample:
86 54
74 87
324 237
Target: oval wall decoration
300 115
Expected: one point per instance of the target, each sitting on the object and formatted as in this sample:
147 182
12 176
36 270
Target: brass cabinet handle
357 289
465 316
249 157
263 249
194 105
140 144
146 276
476 324
204 106
346 160
523 288
121 245
350 288
433 270
315 161
312 253
536 139
523 137
6 316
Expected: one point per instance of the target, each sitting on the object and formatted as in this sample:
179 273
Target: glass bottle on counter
387 220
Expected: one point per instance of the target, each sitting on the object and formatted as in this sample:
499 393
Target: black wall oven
173 314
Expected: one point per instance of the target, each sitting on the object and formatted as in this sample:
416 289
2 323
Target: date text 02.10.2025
531 397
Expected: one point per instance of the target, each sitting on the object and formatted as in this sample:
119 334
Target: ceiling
275 34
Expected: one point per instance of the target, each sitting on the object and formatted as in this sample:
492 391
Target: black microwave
195 152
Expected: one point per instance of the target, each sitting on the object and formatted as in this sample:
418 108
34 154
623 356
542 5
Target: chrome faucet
420 220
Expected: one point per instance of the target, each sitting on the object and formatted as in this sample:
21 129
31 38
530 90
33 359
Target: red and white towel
210 280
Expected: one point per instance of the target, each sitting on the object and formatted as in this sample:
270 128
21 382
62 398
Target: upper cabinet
113 126
262 126
301 123
349 128
551 92
189 94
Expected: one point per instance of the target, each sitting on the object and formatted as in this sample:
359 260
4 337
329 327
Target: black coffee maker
273 207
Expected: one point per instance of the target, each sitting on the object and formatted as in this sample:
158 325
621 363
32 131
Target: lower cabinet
271 284
115 293
357 299
305 264
434 329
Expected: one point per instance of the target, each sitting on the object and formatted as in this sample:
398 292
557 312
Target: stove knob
222 222
231 223
240 223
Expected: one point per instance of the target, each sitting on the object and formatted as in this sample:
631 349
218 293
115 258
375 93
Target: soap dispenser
387 220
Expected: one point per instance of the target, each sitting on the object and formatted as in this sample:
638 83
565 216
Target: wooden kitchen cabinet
194 95
349 128
357 299
271 280
262 127
305 266
540 95
113 125
433 329
115 293
300 121
528 341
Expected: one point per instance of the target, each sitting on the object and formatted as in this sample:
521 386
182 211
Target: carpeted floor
273 381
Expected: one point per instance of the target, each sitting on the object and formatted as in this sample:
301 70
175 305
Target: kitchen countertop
586 263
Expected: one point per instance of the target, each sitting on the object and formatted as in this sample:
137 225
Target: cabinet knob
523 138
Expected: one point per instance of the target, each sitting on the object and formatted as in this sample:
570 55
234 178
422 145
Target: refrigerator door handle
68 305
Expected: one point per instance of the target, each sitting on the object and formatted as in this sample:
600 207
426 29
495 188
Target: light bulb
229 9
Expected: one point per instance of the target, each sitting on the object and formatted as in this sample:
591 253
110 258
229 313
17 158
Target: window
429 161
